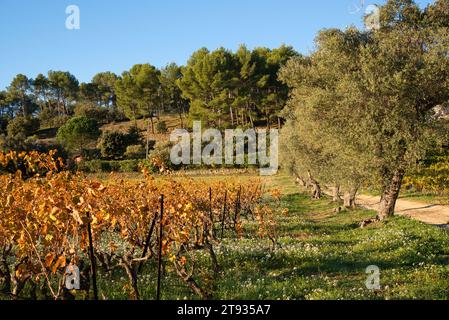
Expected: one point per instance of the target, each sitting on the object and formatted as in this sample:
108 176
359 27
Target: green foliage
205 82
374 122
161 127
134 136
105 86
23 126
100 114
3 124
160 155
100 91
19 95
229 89
113 144
135 152
8 143
138 91
77 133
63 90
49 118
106 166
432 175
89 92
172 98
130 165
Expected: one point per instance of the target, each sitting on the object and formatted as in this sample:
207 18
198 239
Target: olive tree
366 100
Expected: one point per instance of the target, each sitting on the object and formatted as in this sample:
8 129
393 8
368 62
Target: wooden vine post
237 206
224 214
211 215
159 256
93 266
147 242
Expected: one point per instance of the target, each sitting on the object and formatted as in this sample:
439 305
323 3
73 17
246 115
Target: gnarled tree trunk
300 181
390 195
336 193
349 197
315 186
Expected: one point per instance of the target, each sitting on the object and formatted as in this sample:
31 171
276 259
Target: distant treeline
222 88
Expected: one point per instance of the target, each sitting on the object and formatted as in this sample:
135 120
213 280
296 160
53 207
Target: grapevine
43 223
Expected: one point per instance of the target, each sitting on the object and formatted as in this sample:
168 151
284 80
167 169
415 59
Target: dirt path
428 213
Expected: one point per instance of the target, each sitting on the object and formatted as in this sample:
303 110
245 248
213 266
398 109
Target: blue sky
115 35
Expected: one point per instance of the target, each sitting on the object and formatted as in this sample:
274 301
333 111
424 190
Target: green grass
324 256
425 197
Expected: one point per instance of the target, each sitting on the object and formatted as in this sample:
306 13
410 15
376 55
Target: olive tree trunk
390 195
336 193
317 193
349 197
300 181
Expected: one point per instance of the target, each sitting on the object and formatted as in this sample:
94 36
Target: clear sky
114 35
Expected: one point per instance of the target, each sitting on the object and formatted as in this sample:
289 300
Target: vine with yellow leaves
43 223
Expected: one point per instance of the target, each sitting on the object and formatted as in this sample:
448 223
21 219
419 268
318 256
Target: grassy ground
172 122
324 255
425 197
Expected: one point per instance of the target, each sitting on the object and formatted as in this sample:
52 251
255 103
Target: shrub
22 126
134 136
105 166
17 143
135 152
96 166
91 154
49 118
77 133
3 124
113 144
58 121
3 143
129 165
100 114
159 158
118 115
161 127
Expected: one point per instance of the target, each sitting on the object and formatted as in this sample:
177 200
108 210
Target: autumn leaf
21 271
60 263
49 259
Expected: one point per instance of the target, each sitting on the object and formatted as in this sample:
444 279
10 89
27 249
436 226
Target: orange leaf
49 259
60 263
